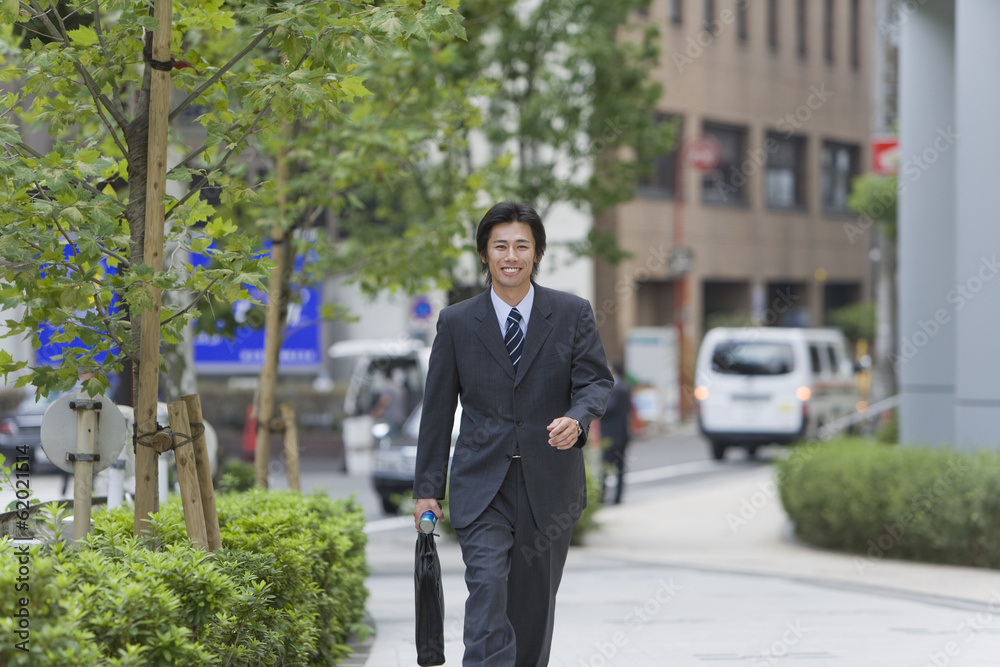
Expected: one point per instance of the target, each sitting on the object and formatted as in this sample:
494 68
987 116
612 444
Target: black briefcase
429 603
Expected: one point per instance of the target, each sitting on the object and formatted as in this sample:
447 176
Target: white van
404 358
761 385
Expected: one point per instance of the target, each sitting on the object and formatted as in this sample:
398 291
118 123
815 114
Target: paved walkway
708 573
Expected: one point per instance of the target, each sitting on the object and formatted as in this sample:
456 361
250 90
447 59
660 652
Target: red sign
885 155
704 153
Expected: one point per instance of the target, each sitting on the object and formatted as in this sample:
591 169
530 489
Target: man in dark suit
529 367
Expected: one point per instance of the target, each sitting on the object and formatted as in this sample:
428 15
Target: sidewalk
709 573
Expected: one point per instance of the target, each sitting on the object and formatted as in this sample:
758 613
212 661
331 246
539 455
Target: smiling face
511 255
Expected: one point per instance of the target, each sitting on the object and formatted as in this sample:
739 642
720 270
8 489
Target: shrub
888 431
236 476
287 588
931 505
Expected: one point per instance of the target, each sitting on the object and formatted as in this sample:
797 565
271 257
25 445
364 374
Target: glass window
772 24
741 21
753 358
814 360
839 167
710 16
855 35
677 11
800 27
727 184
828 31
785 176
833 357
661 180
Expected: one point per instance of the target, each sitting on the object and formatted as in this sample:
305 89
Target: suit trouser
512 571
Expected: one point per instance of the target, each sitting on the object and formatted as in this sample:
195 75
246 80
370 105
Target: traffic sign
885 155
704 153
59 430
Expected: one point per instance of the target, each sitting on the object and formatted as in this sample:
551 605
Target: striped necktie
513 338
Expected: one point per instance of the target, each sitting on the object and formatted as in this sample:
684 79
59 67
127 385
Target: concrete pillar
926 361
975 300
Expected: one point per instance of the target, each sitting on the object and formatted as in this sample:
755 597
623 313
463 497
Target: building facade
746 221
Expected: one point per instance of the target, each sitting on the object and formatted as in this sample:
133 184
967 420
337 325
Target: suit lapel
489 333
539 328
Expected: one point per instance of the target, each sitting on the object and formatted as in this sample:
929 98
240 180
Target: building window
772 24
727 184
710 24
855 35
661 179
801 26
839 167
677 11
785 175
741 21
828 31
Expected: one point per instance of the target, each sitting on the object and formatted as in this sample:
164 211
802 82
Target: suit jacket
562 372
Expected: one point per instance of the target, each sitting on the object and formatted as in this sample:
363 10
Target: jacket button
519 422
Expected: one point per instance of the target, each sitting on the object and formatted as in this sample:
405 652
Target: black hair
504 212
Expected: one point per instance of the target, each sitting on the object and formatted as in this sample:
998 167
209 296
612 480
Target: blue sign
244 352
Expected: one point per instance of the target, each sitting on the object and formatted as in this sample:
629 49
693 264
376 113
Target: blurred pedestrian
616 430
529 366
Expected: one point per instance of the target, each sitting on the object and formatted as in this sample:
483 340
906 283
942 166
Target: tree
73 213
874 199
574 103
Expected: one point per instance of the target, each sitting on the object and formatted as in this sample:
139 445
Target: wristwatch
579 429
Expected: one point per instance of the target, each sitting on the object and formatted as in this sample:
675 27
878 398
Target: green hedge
287 588
931 505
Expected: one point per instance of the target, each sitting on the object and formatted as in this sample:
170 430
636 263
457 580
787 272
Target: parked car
761 385
20 433
395 457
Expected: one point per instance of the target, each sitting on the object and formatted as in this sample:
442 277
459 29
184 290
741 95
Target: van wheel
718 450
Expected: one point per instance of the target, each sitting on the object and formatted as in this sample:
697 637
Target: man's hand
563 432
426 505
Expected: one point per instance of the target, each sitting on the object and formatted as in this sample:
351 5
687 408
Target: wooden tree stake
204 467
187 474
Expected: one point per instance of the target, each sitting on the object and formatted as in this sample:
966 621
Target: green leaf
9 134
82 36
354 86
220 227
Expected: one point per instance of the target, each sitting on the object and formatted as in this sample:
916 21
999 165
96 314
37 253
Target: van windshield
752 358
